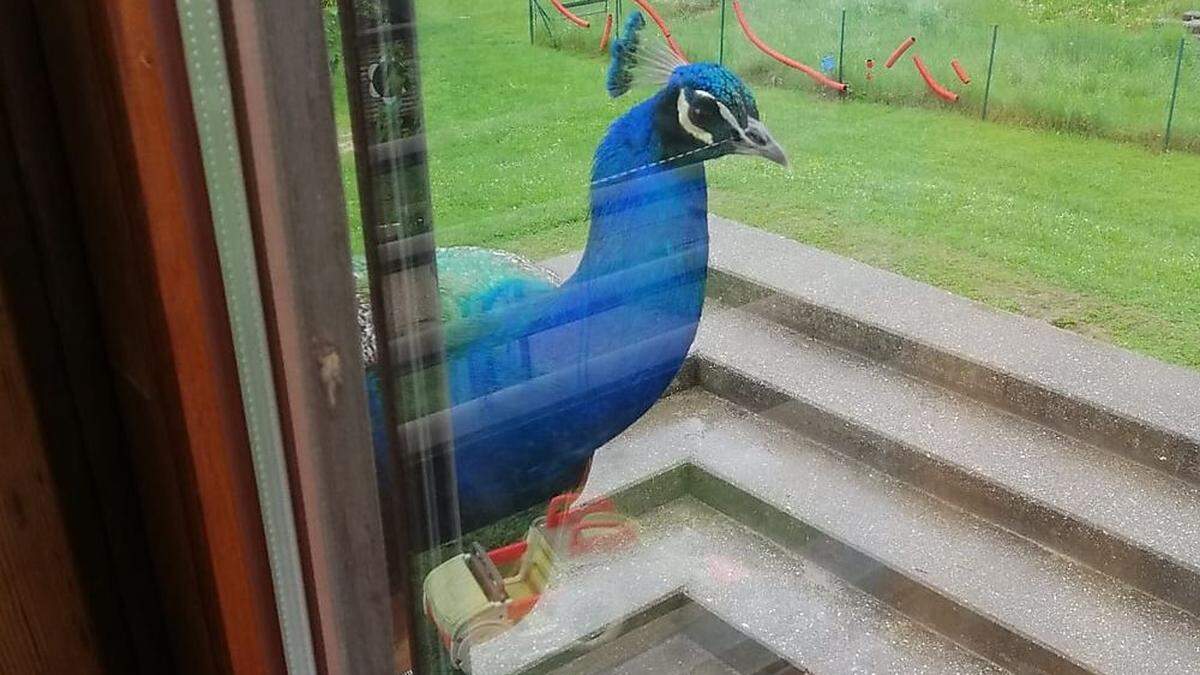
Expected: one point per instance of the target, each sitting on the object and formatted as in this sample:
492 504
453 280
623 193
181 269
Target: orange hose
899 52
582 23
607 32
942 92
960 71
662 26
787 61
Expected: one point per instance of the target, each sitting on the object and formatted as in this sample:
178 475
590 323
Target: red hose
899 52
567 13
607 32
960 71
944 93
662 26
792 63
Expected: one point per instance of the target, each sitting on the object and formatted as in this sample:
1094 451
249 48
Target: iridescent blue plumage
541 375
624 51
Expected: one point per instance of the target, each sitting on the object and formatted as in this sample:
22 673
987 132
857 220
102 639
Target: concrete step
687 639
1012 441
1125 402
782 601
1129 520
985 587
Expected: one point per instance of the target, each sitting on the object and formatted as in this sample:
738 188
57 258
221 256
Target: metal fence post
530 21
1174 94
721 46
842 49
987 89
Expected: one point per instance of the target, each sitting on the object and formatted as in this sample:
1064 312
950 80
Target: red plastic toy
960 71
785 60
662 26
942 92
608 20
899 52
582 23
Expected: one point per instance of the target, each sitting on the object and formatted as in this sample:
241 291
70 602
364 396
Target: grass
1084 233
1129 13
1096 236
1096 67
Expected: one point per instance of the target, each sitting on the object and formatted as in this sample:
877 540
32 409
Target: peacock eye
705 109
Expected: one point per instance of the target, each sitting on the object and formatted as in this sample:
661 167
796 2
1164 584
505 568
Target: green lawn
1097 236
1099 67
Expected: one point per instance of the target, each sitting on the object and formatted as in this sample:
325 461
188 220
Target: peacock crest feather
634 61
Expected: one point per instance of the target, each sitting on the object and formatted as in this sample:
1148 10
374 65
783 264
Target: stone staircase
863 473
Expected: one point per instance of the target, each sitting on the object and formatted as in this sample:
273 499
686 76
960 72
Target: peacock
543 373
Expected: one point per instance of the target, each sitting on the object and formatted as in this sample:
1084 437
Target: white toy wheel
481 631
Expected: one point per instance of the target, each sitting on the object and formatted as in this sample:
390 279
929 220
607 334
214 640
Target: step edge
841 558
1179 444
1114 554
679 479
1114 430
974 602
559 656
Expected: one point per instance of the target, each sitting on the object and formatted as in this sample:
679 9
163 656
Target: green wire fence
1002 71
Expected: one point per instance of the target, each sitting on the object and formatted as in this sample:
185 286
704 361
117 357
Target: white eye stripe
686 122
723 109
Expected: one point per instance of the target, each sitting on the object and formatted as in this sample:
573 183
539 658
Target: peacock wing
485 293
474 280
471 281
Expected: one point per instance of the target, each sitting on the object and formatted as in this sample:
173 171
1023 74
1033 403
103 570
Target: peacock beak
757 140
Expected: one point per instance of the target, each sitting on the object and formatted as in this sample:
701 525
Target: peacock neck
649 198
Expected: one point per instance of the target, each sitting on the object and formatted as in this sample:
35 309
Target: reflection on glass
540 373
700 447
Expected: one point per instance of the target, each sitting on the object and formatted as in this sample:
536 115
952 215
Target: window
724 336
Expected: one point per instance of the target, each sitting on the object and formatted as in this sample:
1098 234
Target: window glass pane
762 336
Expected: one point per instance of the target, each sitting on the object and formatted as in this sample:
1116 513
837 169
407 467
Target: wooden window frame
283 103
120 99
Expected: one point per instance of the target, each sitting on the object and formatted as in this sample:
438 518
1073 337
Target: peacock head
703 107
713 107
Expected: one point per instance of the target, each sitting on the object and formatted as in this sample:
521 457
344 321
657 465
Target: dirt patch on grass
1101 319
1064 309
687 8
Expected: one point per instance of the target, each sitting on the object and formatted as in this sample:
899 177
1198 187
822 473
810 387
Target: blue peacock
541 373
